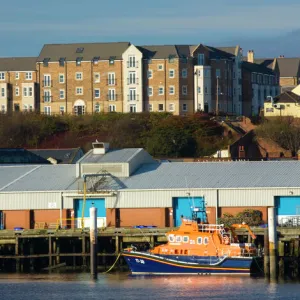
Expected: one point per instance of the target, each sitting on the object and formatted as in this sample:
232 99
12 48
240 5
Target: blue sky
26 25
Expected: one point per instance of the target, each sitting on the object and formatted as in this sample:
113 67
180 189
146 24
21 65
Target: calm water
123 286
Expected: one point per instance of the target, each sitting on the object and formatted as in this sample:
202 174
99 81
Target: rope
112 265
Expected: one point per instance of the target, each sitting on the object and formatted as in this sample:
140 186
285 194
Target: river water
122 286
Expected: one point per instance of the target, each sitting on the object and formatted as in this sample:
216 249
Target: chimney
250 56
281 56
100 148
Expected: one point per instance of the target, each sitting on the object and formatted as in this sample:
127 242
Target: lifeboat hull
143 263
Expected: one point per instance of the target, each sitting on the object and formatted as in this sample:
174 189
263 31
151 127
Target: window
184 90
233 75
17 91
30 108
78 61
96 60
160 67
62 62
47 110
184 59
150 107
25 93
132 94
62 110
111 108
111 94
30 91
205 241
96 77
149 60
171 90
184 107
17 75
25 108
184 73
47 96
171 73
46 62
47 81
132 108
199 89
111 79
61 94
178 239
78 75
28 75
200 59
150 74
2 76
3 108
171 58
253 77
79 50
79 91
234 91
132 78
206 91
199 240
218 73
16 107
171 107
61 78
185 239
131 62
150 91
161 90
206 73
97 93
112 60
79 110
97 107
160 107
2 92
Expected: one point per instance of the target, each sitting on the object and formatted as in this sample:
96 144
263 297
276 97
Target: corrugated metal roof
216 175
113 156
18 64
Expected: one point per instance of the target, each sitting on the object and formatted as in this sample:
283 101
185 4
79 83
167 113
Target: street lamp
217 102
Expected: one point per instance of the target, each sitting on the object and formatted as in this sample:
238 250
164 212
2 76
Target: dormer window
171 58
62 62
112 60
184 59
78 61
96 60
79 50
46 62
149 60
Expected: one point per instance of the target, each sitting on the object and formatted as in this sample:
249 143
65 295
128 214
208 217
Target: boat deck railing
211 227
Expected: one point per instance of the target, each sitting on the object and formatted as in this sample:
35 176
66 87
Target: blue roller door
288 206
99 203
182 207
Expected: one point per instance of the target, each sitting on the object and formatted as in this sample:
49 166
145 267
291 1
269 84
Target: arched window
178 239
79 107
185 239
205 241
199 240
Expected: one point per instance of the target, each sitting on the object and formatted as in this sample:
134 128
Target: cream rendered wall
287 110
29 100
296 90
202 79
3 100
132 50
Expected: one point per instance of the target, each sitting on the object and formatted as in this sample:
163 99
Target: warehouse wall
17 218
236 210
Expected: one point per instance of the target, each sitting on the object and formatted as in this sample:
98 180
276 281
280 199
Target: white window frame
17 91
79 90
201 59
199 90
184 90
61 78
184 107
111 78
97 108
160 67
199 240
150 88
62 109
62 94
171 107
97 90
47 110
163 107
17 76
25 91
2 92
112 108
171 90
112 94
47 93
79 76
3 108
171 73
47 79
28 76
25 107
184 73
150 107
161 90
186 239
98 79
150 74
2 76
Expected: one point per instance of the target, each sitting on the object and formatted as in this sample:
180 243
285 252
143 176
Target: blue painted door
288 206
99 203
182 206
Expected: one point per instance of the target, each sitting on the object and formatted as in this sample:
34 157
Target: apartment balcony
111 82
112 97
48 99
47 83
132 64
133 97
132 80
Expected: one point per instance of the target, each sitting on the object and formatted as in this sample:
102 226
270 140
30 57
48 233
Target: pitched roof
220 53
20 156
18 64
85 50
232 50
158 51
287 97
266 62
256 68
289 67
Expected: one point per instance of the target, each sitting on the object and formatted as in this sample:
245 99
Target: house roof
20 156
17 64
87 51
63 156
232 49
288 67
286 97
159 51
266 62
256 68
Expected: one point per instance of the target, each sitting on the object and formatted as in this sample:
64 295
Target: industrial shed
130 188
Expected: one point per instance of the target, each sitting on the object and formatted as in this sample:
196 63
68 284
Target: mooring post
266 253
272 242
17 254
93 241
50 251
83 252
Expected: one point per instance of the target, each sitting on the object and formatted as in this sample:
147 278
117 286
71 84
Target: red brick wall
49 216
16 218
235 210
211 215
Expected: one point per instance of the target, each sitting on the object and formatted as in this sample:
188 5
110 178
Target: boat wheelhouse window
185 239
199 240
171 238
205 241
178 239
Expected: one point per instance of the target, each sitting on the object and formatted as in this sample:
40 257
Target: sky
262 25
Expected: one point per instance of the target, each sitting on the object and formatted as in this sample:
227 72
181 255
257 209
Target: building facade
18 84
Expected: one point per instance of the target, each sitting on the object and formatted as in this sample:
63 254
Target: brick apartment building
18 88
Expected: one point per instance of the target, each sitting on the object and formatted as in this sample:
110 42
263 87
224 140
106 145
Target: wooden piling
272 242
50 251
93 242
266 253
83 251
17 254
